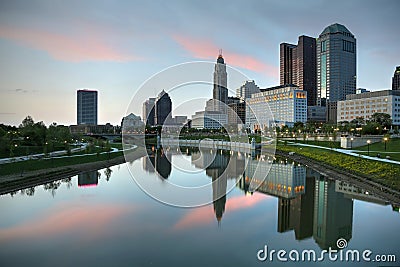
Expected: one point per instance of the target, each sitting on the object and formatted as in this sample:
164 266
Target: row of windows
351 103
353 117
362 111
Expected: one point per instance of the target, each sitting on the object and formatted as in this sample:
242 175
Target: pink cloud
92 220
206 50
205 215
86 47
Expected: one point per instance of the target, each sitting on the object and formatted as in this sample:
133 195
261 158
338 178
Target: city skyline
51 50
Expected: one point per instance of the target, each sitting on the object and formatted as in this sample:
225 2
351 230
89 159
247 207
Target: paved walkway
41 155
349 152
59 154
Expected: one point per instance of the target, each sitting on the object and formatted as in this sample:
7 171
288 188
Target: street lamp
368 142
330 139
385 139
351 142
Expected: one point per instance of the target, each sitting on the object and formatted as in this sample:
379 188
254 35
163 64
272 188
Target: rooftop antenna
220 52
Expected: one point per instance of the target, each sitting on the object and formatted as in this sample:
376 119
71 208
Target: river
126 215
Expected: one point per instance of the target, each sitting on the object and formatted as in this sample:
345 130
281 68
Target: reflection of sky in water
116 223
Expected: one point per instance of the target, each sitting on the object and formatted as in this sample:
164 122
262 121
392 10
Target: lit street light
351 142
368 142
385 139
330 139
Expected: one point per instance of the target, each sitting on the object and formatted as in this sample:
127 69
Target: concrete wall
215 144
345 142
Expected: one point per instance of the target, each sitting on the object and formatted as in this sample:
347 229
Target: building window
348 46
323 46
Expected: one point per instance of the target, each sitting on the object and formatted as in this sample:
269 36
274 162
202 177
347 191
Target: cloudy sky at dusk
49 49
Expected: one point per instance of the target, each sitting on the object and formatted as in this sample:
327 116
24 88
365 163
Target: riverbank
380 187
18 181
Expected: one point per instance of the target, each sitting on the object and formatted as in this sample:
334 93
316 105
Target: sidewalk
41 155
60 154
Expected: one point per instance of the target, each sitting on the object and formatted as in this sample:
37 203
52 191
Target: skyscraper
87 107
148 112
286 63
333 214
396 79
163 108
336 65
298 66
220 91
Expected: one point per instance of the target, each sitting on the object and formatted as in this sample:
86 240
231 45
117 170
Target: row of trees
379 123
33 137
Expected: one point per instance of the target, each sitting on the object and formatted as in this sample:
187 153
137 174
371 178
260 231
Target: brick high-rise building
298 66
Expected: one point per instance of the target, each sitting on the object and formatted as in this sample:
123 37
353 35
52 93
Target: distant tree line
32 136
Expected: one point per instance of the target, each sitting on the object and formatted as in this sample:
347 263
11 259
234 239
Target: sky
50 48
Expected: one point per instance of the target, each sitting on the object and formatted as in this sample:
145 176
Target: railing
208 143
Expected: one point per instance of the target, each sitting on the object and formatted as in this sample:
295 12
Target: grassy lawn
32 165
393 145
385 173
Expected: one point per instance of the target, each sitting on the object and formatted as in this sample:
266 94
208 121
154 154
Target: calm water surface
103 218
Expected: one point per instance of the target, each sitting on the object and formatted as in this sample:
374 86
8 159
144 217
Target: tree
359 121
33 133
107 173
27 122
382 119
371 128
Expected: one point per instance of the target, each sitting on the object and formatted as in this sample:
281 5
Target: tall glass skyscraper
163 109
336 64
87 107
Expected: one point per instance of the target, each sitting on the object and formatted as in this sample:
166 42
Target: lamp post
330 139
368 142
351 142
385 139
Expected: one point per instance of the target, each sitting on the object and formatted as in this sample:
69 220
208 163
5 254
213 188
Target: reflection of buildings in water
209 159
297 213
333 214
233 164
217 165
149 163
354 192
280 179
163 163
236 166
219 184
87 179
